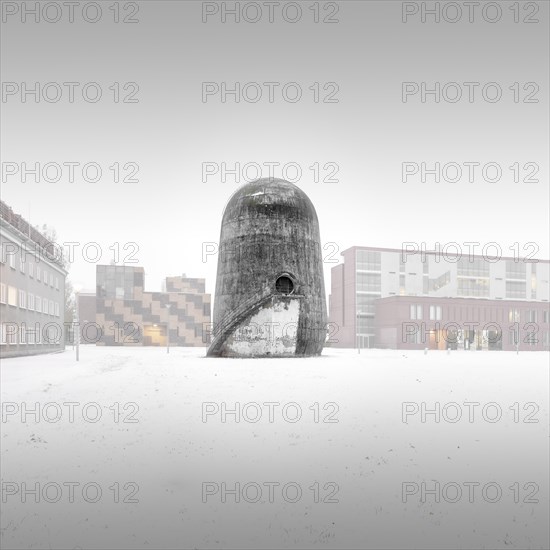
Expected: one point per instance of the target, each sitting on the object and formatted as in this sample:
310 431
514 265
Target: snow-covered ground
364 473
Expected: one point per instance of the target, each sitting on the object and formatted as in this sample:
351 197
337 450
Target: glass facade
118 282
478 288
473 267
369 282
516 270
515 289
368 260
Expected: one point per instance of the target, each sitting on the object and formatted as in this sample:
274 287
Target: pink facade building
390 298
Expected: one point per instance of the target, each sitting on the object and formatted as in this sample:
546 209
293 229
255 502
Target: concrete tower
270 292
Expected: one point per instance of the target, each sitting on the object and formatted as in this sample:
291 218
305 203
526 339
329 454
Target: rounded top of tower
269 197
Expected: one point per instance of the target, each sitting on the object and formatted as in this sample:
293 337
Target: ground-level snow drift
337 451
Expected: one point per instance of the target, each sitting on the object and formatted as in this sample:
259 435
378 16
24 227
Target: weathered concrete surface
269 229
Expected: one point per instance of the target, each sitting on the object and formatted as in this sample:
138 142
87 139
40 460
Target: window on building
38 273
21 263
473 287
416 312
515 289
413 338
513 316
435 313
51 309
531 315
469 266
31 269
516 270
30 300
22 334
369 282
22 299
3 293
402 290
365 304
51 279
45 306
11 333
368 260
2 334
11 260
545 316
56 309
57 283
365 325
31 337
12 296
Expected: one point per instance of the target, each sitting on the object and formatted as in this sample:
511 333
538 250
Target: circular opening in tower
284 285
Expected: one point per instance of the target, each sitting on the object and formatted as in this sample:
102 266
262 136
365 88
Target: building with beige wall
127 314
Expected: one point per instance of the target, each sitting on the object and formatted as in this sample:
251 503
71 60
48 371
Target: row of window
416 312
25 300
530 316
13 335
35 271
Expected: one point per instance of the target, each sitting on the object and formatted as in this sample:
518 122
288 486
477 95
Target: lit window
513 316
12 296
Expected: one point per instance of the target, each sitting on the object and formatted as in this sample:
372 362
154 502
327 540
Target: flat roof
435 252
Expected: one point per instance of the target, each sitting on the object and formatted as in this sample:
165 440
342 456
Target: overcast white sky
369 132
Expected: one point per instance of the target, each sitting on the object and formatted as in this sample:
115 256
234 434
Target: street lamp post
77 327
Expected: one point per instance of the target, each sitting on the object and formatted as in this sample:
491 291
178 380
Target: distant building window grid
415 312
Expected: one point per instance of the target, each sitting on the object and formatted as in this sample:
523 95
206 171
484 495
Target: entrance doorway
154 335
